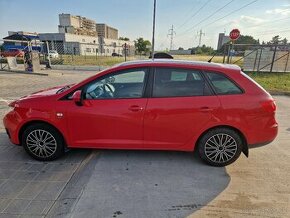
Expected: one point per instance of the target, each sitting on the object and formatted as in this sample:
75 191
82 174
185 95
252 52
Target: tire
42 142
220 147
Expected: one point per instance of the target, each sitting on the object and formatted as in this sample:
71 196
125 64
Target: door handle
135 108
206 109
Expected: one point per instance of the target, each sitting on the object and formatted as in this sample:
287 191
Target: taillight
269 106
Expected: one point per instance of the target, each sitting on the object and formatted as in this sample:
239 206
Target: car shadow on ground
149 184
115 183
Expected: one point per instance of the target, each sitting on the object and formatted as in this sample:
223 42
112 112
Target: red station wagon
151 105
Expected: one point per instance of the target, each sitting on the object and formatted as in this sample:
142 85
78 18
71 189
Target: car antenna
209 61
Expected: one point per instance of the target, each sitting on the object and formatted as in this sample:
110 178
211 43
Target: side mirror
77 98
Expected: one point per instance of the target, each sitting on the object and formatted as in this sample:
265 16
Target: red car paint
155 123
12 53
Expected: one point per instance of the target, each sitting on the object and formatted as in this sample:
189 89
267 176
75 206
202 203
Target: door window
174 82
124 84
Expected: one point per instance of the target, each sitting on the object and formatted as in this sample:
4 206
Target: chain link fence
74 53
258 58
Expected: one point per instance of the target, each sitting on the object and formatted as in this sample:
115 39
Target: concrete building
76 25
222 40
180 52
78 36
106 31
66 43
109 46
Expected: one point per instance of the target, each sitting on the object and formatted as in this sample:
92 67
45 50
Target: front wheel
43 142
220 147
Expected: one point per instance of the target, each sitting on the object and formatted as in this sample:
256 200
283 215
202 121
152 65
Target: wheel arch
245 148
33 122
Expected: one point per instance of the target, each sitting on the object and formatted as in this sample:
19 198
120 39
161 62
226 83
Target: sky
133 18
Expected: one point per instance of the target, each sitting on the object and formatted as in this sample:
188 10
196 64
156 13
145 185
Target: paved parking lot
86 183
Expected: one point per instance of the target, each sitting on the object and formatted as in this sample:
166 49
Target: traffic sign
235 34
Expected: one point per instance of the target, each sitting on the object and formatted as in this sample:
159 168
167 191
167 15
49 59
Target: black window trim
152 80
225 75
85 86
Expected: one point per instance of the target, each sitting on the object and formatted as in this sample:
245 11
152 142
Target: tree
180 49
275 40
245 39
204 50
284 41
142 46
124 38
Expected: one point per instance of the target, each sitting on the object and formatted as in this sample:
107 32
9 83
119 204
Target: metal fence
74 53
258 58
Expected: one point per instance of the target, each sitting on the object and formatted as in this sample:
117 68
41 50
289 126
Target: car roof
172 63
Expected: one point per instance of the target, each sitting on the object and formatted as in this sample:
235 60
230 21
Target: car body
53 54
114 54
12 53
150 105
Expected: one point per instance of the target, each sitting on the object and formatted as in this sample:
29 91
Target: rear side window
223 85
175 82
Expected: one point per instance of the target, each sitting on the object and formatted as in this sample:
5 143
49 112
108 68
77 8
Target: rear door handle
206 109
135 108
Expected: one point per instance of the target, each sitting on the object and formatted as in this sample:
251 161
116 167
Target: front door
112 112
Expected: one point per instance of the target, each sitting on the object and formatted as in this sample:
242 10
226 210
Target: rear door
181 105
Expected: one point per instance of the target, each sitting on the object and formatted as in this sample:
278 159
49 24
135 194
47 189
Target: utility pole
171 33
200 34
153 31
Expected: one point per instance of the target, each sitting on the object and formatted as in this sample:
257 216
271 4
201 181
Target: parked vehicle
13 52
53 54
114 54
214 109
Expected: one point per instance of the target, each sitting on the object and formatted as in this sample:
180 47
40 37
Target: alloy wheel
220 148
41 143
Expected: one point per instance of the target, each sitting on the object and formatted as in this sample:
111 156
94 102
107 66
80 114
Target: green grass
90 60
275 82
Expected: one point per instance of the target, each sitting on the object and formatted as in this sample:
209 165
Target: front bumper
11 124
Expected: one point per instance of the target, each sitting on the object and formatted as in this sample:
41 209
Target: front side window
174 82
124 84
223 85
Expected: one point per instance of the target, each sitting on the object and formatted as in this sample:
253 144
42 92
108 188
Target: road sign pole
125 52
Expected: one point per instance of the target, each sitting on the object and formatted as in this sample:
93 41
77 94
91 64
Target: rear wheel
220 147
42 142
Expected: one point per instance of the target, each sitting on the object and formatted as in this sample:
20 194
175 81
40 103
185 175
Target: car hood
38 94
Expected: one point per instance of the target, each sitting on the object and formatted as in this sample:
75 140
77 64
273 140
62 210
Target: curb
25 72
279 93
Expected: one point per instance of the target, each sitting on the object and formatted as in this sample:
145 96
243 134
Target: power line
212 14
258 25
195 13
244 6
200 34
171 34
268 32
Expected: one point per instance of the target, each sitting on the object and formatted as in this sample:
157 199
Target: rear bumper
264 136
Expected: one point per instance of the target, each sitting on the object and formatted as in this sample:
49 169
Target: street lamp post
153 33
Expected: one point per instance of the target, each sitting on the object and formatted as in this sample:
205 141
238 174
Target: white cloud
284 12
251 20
